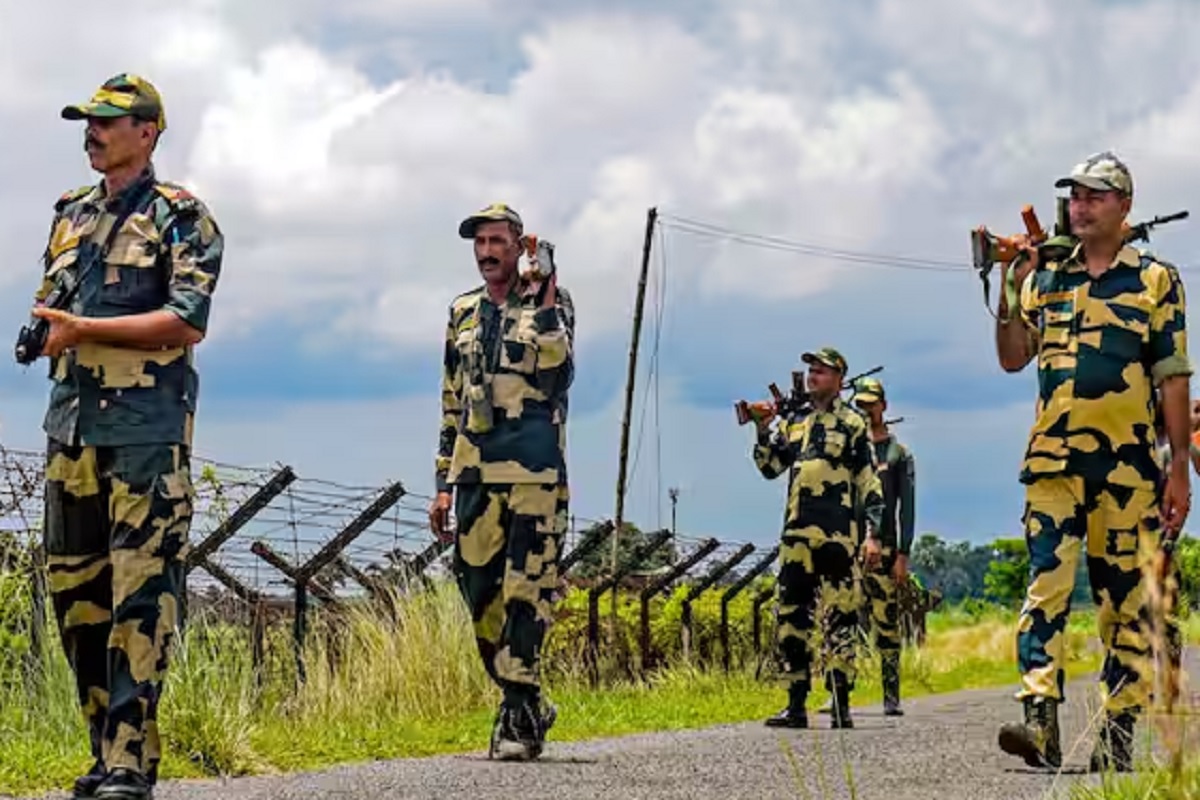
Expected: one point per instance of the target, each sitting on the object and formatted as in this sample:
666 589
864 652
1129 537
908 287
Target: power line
713 231
719 232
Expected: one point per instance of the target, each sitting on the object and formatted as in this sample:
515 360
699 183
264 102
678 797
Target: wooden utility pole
630 377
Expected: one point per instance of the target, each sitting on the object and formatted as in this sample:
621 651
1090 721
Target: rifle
1141 231
988 249
32 336
797 403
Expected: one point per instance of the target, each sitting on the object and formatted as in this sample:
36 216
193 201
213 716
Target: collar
126 195
837 406
1127 256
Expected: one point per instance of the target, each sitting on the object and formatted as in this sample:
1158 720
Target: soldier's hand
900 569
1176 501
1023 266
872 553
439 516
64 330
762 412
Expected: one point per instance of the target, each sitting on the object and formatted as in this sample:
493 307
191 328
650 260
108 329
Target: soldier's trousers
1118 529
115 534
814 566
879 590
883 602
506 559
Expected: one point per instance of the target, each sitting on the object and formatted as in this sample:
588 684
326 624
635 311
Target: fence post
680 569
300 626
656 541
733 592
712 577
388 498
357 575
241 515
590 543
416 567
763 597
258 635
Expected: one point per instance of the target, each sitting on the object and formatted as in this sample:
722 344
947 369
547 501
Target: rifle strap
118 222
987 292
1012 296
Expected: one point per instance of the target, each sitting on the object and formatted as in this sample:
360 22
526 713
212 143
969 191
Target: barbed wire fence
268 545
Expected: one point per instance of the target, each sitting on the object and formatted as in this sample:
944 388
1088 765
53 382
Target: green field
405 680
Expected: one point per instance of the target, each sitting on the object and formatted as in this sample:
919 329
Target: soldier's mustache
92 142
489 261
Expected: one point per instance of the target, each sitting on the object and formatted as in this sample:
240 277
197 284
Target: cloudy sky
339 145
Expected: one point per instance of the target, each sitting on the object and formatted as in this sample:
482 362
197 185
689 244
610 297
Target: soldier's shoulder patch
466 300
173 191
463 308
71 196
178 198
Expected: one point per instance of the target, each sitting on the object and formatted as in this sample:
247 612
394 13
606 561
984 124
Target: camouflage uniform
1091 475
119 496
832 484
506 372
897 475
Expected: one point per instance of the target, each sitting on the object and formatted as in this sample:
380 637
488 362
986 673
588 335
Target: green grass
411 685
215 722
1149 782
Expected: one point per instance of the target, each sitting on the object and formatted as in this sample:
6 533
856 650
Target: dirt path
945 747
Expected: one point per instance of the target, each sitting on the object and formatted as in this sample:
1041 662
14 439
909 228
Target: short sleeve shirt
1102 345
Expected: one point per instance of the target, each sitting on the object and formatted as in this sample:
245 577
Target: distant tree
599 560
1008 573
956 569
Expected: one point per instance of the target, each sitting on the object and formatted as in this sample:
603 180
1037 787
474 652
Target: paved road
945 747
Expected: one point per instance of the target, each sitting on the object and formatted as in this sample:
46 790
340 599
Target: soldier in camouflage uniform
1107 324
832 485
146 256
897 474
508 364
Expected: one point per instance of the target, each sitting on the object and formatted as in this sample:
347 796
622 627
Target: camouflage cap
120 96
827 356
1102 172
494 212
868 390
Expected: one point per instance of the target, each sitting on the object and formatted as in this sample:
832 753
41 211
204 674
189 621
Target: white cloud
339 145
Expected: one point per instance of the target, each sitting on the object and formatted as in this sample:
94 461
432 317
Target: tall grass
402 677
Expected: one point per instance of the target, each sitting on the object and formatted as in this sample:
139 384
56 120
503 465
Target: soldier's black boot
521 725
1036 739
839 690
795 715
86 785
124 784
1114 744
891 684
